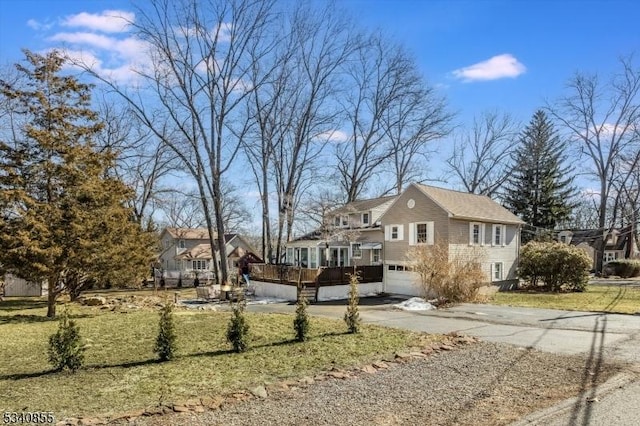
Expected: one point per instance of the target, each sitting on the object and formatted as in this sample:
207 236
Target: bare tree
602 119
294 110
143 161
191 96
481 158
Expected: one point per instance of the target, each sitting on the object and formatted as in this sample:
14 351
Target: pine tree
166 340
238 329
62 217
352 316
65 346
301 321
540 190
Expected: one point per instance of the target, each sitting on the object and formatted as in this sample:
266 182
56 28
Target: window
313 257
200 265
610 256
498 235
344 221
476 234
365 218
336 221
392 267
563 239
393 232
356 251
399 268
181 243
421 233
375 256
497 271
289 257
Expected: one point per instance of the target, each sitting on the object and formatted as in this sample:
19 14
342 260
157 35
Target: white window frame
388 232
480 226
376 253
356 250
344 221
200 265
498 231
368 216
609 256
497 271
413 233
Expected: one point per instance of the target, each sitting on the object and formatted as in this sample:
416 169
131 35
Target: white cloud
38 26
500 66
336 136
109 21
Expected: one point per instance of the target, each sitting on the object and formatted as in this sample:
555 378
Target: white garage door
402 282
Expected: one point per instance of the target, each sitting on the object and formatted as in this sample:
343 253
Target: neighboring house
619 243
186 252
467 224
351 236
14 286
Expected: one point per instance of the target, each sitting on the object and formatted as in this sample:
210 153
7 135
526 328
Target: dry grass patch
597 298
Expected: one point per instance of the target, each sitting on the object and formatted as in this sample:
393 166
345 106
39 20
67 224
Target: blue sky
535 45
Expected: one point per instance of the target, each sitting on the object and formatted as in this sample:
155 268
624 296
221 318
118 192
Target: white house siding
506 254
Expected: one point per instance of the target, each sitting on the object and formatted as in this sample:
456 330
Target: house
14 286
381 231
619 243
186 253
467 224
351 236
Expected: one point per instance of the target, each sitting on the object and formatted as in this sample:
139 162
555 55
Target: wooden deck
320 277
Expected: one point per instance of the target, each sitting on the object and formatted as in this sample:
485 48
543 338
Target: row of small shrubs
623 268
554 266
66 350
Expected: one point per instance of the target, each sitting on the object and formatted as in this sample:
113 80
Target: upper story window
344 221
336 221
393 232
421 233
476 234
365 218
498 237
181 244
563 238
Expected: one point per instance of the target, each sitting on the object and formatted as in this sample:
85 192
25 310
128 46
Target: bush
301 321
554 266
65 346
352 316
238 329
166 340
455 278
623 268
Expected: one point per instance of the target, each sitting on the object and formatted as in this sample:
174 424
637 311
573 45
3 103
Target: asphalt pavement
600 337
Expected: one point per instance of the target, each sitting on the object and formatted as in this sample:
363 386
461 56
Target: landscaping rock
306 380
380 365
338 374
93 301
212 403
369 369
180 408
259 391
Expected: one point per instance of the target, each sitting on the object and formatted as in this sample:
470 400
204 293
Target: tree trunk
51 297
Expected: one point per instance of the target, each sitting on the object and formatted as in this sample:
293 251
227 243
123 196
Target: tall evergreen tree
540 189
62 218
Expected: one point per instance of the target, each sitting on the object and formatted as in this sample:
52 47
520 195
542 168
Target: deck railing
320 277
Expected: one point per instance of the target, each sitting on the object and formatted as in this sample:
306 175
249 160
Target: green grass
597 298
122 374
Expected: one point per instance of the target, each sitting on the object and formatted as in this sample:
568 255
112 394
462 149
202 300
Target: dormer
565 237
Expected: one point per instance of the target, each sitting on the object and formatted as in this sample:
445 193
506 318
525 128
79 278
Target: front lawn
597 298
121 372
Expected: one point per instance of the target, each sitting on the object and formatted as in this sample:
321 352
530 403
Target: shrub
455 278
166 340
238 329
623 268
554 266
65 346
301 321
352 316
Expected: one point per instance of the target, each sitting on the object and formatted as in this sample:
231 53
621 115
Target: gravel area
483 383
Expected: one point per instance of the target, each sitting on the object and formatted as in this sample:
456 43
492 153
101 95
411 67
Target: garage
400 281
